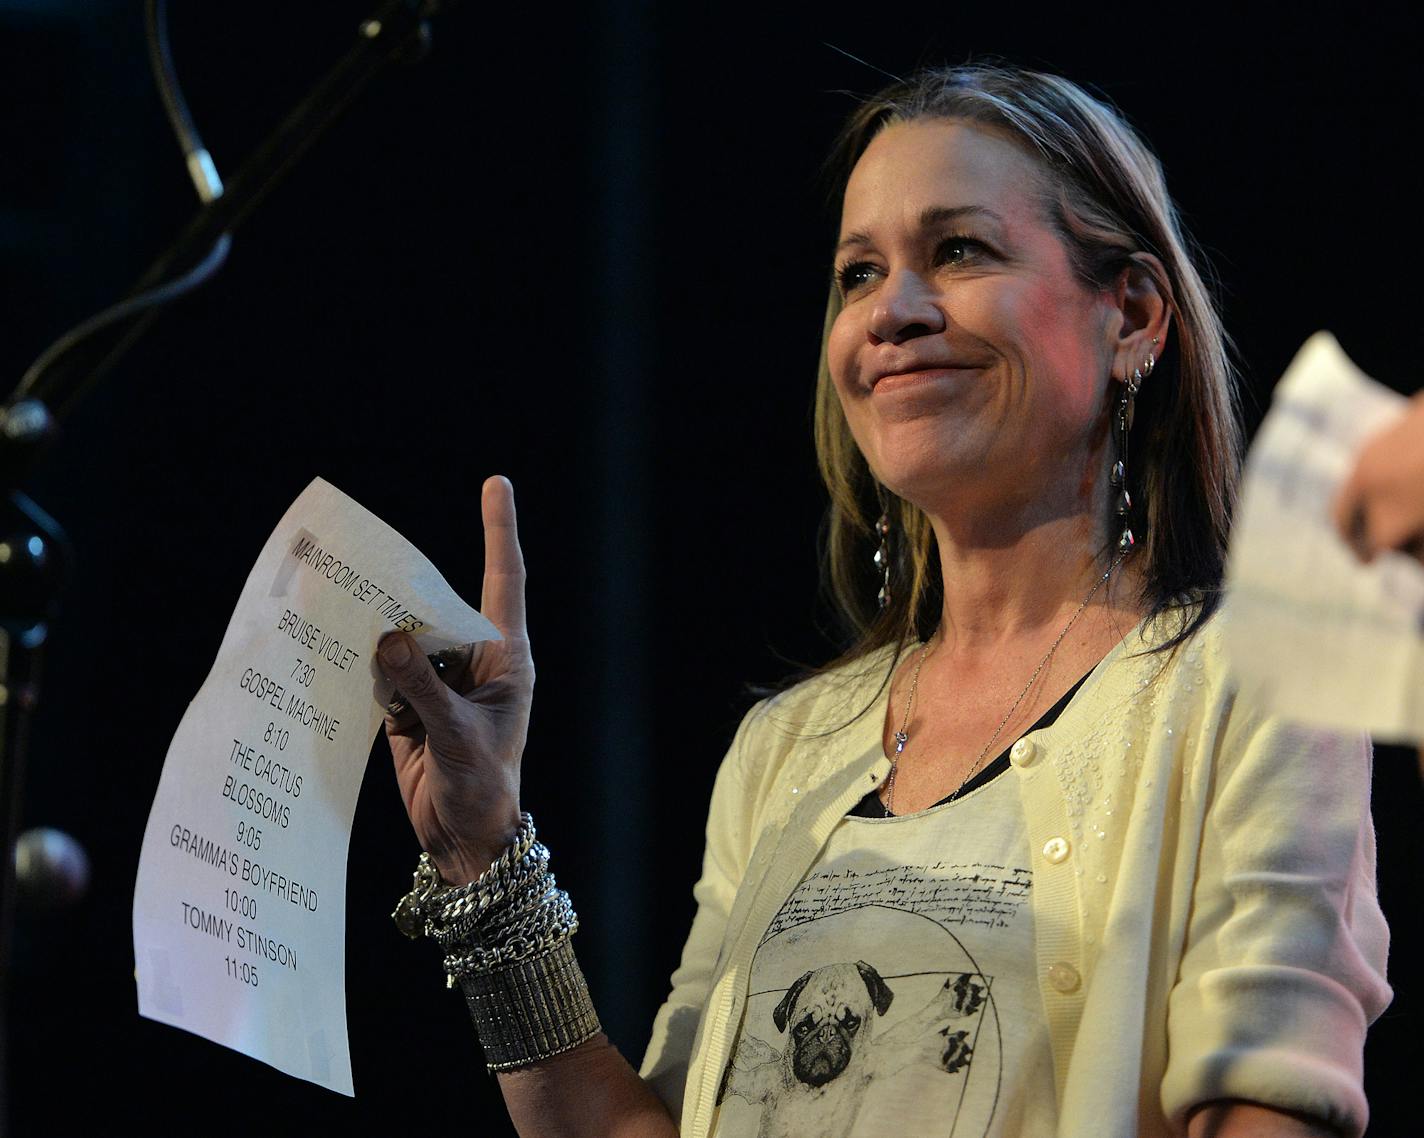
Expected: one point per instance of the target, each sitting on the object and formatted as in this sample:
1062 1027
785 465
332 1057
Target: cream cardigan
1212 931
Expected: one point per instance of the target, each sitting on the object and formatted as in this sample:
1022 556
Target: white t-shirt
894 993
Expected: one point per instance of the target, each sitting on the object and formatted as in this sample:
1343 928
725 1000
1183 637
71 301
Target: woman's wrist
461 861
530 1010
505 939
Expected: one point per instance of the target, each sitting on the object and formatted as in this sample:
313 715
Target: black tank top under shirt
871 807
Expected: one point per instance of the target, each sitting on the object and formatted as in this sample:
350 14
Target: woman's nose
904 309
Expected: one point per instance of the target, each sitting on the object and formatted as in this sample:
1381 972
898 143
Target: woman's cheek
840 353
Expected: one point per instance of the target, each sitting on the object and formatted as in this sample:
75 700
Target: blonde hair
1108 200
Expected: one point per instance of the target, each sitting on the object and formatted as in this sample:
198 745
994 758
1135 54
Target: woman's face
969 357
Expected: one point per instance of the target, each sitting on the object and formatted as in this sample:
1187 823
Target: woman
1018 863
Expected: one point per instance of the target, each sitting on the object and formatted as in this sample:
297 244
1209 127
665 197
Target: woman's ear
1142 295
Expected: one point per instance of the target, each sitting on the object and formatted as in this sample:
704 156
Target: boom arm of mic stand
33 549
398 31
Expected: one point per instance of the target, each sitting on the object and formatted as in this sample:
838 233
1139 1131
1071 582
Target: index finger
502 598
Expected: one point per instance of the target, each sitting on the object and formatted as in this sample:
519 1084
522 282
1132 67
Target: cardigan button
1055 850
1022 753
1064 977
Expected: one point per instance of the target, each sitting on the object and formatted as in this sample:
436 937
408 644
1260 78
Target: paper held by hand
1313 634
239 909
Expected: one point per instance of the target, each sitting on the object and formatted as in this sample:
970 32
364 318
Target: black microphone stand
34 558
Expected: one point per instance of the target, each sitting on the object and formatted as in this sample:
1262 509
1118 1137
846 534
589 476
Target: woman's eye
958 250
855 275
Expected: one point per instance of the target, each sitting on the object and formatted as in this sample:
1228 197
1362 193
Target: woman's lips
908 380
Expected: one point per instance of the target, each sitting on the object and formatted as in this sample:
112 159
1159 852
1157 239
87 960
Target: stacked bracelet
506 942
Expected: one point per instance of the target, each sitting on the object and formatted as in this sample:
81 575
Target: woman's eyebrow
851 239
939 214
930 218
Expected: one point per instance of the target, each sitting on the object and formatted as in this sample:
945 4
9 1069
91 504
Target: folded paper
1313 633
239 909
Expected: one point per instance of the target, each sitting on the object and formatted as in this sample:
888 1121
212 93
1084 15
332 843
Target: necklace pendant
900 740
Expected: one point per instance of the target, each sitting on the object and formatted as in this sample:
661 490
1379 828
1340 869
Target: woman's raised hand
458 742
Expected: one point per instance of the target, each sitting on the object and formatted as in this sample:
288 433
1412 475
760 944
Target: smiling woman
1020 862
967 351
1075 174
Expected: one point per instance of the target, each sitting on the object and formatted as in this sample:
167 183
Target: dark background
584 246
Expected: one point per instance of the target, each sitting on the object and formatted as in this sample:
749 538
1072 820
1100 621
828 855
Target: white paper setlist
239 909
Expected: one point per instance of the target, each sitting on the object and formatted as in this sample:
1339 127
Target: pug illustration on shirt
832 1050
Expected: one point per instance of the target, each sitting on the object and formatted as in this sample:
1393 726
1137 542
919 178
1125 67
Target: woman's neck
1007 585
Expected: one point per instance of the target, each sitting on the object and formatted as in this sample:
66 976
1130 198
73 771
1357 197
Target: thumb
407 667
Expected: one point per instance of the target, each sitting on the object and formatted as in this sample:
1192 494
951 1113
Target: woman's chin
932 467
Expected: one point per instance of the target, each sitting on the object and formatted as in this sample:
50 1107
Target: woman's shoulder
1180 637
1174 674
832 697
1168 665
815 718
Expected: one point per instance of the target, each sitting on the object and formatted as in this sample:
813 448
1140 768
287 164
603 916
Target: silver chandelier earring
882 550
1122 428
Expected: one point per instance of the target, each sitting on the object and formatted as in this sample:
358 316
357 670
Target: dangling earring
1122 427
882 552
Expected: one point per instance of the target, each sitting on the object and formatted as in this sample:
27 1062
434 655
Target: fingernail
395 651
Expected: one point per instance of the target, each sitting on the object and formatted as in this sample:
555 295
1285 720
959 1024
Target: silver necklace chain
902 736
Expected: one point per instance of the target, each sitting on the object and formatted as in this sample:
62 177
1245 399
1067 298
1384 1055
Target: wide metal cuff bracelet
531 1010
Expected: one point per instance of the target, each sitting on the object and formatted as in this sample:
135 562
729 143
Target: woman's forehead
911 169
